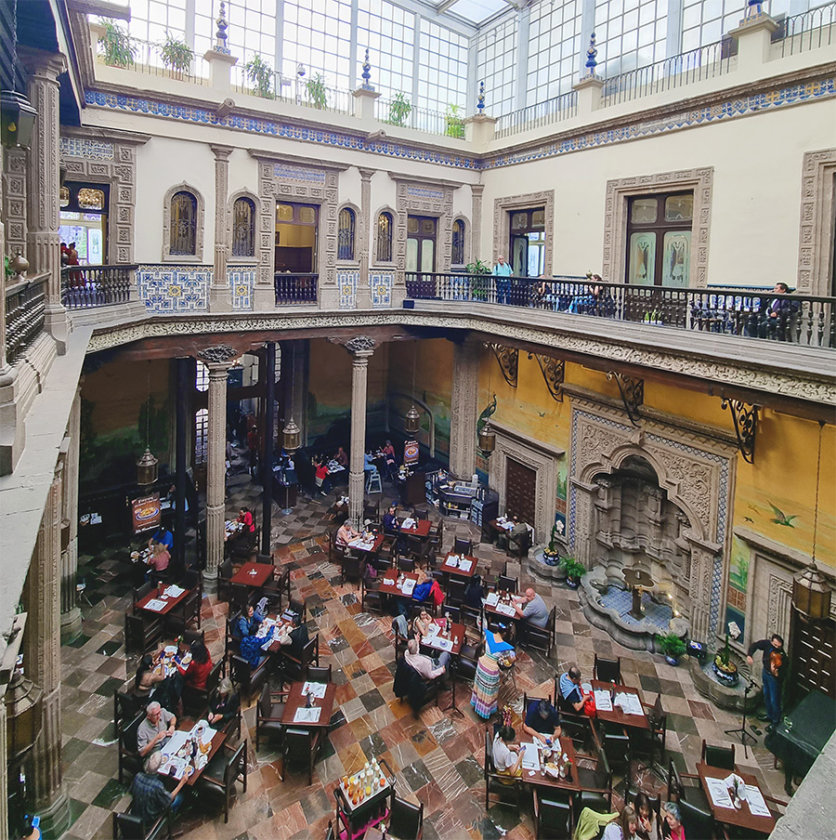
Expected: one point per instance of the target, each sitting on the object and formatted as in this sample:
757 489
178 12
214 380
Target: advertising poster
145 513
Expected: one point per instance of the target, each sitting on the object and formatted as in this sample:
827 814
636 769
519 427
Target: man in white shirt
428 668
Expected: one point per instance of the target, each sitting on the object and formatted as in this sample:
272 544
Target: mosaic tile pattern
288 172
241 282
437 757
84 148
347 288
380 285
174 288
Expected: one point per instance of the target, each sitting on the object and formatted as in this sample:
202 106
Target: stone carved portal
659 496
636 525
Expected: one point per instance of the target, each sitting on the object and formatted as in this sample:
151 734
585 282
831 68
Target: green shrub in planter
574 570
671 646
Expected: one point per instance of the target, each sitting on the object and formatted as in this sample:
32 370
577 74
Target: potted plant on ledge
574 571
176 55
671 646
724 669
551 556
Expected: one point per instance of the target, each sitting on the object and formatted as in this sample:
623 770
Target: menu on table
317 689
719 792
505 609
757 804
305 715
156 604
440 644
629 703
174 591
603 702
408 586
492 600
465 564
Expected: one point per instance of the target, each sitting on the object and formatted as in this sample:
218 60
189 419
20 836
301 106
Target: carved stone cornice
297 160
115 135
705 362
218 354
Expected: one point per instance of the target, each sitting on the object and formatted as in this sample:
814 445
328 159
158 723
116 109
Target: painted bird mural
781 518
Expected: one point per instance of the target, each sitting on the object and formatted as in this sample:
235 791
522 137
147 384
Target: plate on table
170 649
587 688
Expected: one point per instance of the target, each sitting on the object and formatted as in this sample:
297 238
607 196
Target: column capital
365 174
221 152
361 346
42 63
477 189
218 356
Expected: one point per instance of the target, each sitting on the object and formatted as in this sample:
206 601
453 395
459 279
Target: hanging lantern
146 469
292 436
811 593
412 421
487 439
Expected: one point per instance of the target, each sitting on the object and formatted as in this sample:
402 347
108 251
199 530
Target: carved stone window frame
818 208
440 208
466 236
373 259
701 181
200 222
503 207
358 237
540 457
230 221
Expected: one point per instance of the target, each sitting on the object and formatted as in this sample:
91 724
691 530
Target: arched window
183 233
345 247
384 237
457 257
243 228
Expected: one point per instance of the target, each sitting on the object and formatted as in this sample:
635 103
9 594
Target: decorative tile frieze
288 172
241 282
174 289
85 148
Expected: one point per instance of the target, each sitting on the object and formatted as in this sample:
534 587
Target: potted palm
399 109
671 646
724 669
574 571
176 55
260 73
116 45
316 91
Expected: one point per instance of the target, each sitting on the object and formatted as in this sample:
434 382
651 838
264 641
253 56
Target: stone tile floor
437 757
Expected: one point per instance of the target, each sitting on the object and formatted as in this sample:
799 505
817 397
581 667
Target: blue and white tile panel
84 148
380 288
174 288
241 282
347 287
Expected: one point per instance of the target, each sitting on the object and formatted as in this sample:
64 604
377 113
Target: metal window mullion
352 49
523 20
279 54
416 60
673 38
188 35
587 28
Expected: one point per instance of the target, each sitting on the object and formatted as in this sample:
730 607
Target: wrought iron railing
550 111
754 313
295 288
294 91
25 309
147 59
421 119
807 31
88 286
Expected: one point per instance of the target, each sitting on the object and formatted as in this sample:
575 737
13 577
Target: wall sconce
17 116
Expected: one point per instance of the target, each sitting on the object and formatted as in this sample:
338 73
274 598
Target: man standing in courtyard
774 662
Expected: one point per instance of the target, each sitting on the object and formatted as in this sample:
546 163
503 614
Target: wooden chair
504 583
298 607
225 573
411 685
295 667
506 794
141 635
687 786
607 670
247 679
406 564
128 826
468 659
519 546
128 757
268 715
222 772
595 780
141 591
406 820
319 673
456 587
370 596
453 611
276 588
645 742
462 545
232 636
542 638
717 756
196 700
191 636
302 746
352 566
552 814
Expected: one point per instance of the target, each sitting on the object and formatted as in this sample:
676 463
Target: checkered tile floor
437 757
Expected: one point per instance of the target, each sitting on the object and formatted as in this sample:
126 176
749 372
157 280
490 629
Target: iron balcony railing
755 313
807 31
88 286
550 111
296 288
25 309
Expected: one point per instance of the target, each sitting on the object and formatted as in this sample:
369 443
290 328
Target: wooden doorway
520 491
813 656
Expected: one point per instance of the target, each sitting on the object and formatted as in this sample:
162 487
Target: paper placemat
305 715
602 700
315 688
492 600
440 644
174 591
757 804
531 757
629 703
155 604
408 586
719 793
505 609
465 565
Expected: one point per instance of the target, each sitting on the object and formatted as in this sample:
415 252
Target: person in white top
507 757
624 828
346 534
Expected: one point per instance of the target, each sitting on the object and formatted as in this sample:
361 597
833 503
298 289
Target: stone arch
197 257
468 232
356 245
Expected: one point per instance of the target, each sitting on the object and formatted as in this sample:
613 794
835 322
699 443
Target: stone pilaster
42 661
361 349
364 226
463 408
70 612
3 365
4 776
218 359
584 505
220 296
699 592
43 185
476 191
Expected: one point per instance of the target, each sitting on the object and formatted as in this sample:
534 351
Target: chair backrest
236 764
265 702
319 673
455 590
190 636
489 765
298 742
129 827
310 652
214 678
607 670
128 734
406 564
528 702
225 569
462 545
454 612
265 559
141 591
300 608
126 706
192 579
241 670
695 821
718 756
507 584
617 748
555 814
406 819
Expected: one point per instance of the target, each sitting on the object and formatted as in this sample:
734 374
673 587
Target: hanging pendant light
412 419
17 116
292 437
147 465
811 592
487 439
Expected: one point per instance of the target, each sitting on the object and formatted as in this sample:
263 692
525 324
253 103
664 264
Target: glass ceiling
474 11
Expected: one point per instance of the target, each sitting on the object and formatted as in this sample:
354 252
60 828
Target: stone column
220 296
70 612
4 775
43 185
581 536
361 349
42 662
3 365
218 359
476 191
463 407
364 292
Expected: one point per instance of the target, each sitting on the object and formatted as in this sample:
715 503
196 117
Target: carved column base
51 800
356 497
220 299
55 323
70 625
55 815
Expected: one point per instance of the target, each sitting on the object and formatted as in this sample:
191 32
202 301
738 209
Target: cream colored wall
243 172
755 211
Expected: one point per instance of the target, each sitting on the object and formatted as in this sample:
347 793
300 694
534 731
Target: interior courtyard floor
437 757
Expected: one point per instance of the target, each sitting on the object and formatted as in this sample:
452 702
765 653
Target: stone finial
591 53
220 35
367 72
480 101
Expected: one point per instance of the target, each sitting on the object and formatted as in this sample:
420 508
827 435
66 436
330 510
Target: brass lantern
487 439
292 436
17 116
146 469
811 594
412 421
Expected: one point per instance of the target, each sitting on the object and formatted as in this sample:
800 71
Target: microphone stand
741 730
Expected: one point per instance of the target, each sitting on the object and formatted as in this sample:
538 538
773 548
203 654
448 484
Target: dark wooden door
814 656
520 491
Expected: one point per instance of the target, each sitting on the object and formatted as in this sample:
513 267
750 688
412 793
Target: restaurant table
372 549
449 569
252 574
421 529
501 608
388 583
800 737
217 740
456 634
158 602
741 817
617 715
541 779
296 700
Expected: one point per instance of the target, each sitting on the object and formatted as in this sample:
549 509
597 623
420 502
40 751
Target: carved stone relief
14 200
614 262
424 199
815 254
